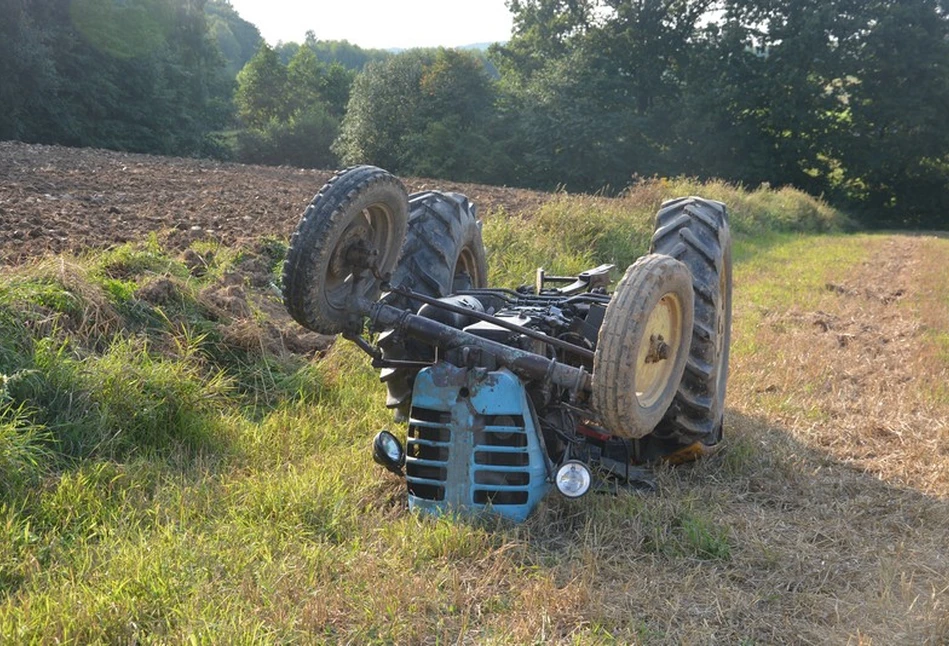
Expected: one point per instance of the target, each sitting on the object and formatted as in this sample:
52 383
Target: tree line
848 99
137 75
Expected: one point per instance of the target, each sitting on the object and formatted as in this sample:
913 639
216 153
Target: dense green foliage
848 99
424 111
350 56
237 39
291 112
139 75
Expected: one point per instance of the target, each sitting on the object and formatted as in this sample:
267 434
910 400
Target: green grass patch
574 233
23 443
784 272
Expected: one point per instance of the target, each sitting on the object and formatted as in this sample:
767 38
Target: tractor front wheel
349 236
643 345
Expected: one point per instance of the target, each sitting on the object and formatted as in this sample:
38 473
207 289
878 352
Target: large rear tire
354 225
695 231
642 345
443 253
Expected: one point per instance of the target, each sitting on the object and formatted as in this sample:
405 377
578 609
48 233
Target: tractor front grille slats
471 447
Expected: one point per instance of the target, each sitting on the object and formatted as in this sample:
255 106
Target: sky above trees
381 24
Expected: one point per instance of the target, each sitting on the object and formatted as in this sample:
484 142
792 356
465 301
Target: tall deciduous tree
261 95
594 86
846 98
139 75
383 109
30 77
420 111
237 39
291 112
895 144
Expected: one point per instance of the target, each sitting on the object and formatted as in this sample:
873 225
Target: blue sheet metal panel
500 467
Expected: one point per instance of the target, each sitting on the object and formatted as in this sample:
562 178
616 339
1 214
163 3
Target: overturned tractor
508 393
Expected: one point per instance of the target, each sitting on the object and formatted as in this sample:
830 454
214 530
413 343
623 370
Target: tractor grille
473 448
429 446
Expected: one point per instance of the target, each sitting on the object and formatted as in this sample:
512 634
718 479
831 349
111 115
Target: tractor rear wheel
443 253
443 250
643 345
352 229
695 231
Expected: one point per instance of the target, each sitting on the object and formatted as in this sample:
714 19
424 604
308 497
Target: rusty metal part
518 299
658 349
361 256
364 345
689 453
587 280
341 262
525 364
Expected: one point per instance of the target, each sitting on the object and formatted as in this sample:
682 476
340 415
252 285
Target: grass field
172 473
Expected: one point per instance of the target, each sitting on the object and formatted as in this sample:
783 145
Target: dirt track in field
861 368
55 199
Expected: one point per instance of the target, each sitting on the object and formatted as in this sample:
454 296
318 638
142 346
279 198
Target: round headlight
387 450
573 479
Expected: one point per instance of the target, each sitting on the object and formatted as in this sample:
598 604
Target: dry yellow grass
856 372
838 387
61 289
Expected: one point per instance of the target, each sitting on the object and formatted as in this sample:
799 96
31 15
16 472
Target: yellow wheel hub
657 351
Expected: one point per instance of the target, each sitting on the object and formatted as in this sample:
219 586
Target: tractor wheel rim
658 349
466 265
372 227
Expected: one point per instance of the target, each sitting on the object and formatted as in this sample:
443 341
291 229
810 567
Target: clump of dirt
880 293
162 291
268 337
257 264
229 299
253 318
197 263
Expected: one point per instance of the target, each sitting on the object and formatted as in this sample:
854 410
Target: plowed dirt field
55 199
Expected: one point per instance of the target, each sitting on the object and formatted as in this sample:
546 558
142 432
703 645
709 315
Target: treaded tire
362 205
443 250
696 232
643 345
443 253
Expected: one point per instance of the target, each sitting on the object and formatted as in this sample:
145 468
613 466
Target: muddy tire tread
310 244
614 363
696 232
